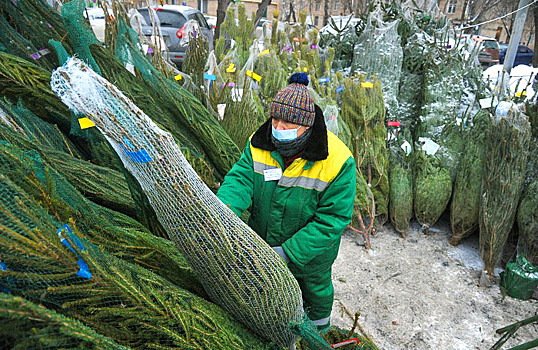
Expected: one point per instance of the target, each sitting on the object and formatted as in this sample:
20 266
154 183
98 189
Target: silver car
172 20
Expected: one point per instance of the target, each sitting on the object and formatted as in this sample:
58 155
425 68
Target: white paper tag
423 139
458 121
221 107
130 67
430 147
272 174
488 102
406 146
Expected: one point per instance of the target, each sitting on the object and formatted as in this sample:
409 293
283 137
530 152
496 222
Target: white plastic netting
239 271
378 52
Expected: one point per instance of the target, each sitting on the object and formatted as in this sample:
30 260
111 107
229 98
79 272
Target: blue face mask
285 135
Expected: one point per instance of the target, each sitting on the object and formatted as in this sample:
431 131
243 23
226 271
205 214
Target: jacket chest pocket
300 209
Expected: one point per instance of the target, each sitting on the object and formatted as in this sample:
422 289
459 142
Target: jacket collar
316 147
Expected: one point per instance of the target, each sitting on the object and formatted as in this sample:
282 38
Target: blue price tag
339 89
210 77
83 269
324 80
140 156
3 267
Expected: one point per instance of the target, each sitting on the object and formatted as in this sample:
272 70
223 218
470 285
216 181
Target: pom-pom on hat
294 103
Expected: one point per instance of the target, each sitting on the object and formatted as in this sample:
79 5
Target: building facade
476 12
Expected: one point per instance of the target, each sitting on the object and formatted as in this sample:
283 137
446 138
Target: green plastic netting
30 326
20 79
26 123
237 268
121 235
51 263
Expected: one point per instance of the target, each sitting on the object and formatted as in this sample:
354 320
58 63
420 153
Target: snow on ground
422 293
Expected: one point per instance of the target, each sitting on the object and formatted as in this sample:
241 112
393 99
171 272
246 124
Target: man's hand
282 254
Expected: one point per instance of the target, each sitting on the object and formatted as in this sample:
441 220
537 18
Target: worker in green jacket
299 181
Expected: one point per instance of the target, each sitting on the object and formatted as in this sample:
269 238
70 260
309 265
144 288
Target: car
489 52
212 21
524 54
172 19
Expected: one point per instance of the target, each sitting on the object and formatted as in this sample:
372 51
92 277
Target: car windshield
198 18
166 18
490 44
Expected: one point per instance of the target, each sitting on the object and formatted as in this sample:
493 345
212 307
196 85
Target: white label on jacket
272 174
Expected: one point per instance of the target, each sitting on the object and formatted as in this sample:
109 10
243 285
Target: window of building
336 4
202 6
451 6
316 20
318 5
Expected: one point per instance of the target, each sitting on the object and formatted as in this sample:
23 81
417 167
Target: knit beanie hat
294 103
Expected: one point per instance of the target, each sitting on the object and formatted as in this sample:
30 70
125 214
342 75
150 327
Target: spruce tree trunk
221 15
259 12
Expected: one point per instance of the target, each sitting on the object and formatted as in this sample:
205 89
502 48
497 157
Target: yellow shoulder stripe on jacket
316 177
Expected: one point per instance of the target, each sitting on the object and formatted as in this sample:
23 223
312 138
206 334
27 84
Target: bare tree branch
260 11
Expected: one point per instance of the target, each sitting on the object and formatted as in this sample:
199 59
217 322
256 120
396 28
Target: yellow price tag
305 70
231 68
367 85
264 52
178 77
85 123
519 94
254 75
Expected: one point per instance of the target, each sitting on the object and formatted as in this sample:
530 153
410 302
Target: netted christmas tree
363 111
527 213
238 269
466 197
52 264
378 52
121 235
27 26
507 141
439 132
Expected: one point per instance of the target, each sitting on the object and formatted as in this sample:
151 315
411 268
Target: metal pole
515 38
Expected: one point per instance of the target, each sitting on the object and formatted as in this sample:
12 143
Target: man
300 181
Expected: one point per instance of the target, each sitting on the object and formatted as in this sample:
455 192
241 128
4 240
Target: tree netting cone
238 269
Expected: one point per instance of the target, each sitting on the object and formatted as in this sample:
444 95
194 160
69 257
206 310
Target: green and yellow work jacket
306 210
